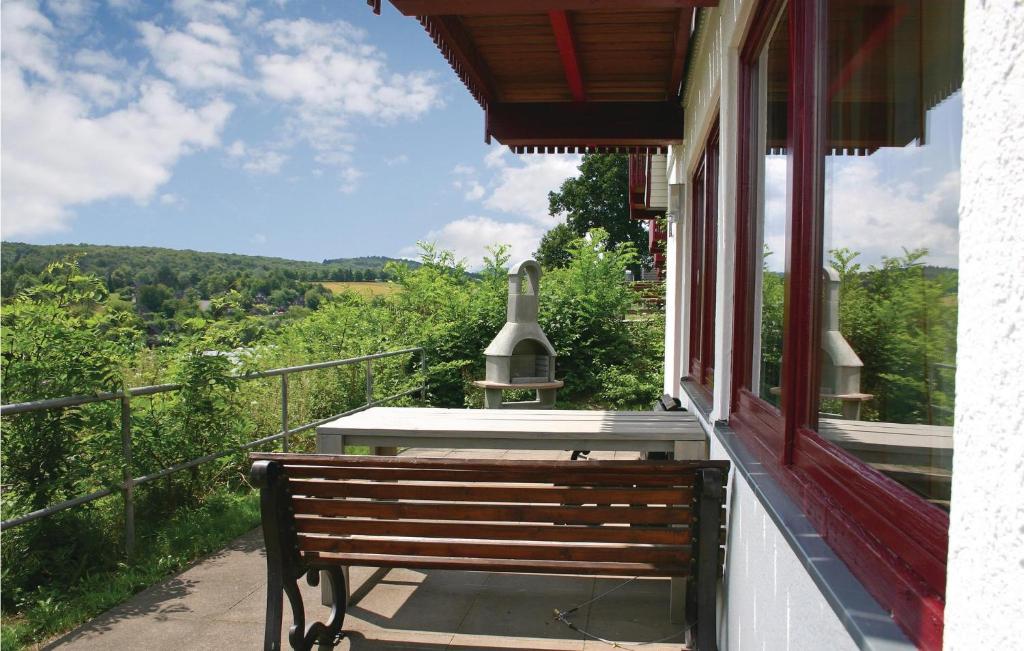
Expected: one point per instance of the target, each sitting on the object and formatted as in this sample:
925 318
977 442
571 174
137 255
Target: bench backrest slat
483 493
496 531
665 555
477 512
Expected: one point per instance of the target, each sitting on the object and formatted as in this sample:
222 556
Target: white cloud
237 149
71 13
496 157
265 162
329 75
60 151
470 236
124 5
170 199
209 9
474 192
257 160
522 188
328 66
100 89
400 159
350 180
206 56
26 40
871 207
98 60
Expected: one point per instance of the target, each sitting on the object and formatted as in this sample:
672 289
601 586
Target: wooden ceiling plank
510 7
567 51
682 42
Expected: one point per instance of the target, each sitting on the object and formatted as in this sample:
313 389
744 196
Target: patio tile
522 605
463 642
408 600
384 640
636 613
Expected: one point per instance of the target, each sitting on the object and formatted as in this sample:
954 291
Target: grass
163 551
365 289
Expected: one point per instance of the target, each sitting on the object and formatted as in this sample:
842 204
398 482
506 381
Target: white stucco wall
768 599
985 581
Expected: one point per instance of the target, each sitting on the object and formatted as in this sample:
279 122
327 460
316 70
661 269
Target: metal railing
129 482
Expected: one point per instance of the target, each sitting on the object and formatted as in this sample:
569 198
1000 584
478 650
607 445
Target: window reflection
773 208
889 290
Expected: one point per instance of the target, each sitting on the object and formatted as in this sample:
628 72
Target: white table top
515 428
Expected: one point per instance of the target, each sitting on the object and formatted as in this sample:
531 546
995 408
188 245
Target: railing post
423 369
128 477
284 411
369 381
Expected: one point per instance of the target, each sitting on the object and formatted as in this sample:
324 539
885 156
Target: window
844 344
764 204
703 259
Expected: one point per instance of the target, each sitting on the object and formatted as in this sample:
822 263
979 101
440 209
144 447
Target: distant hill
177 269
375 262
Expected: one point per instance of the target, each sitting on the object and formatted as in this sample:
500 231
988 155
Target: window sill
870 627
698 395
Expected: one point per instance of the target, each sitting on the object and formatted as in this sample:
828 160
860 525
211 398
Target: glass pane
892 190
707 342
697 272
773 209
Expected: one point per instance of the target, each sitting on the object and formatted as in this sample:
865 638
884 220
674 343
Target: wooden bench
322 513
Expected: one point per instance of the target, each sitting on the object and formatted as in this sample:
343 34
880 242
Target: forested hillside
209 274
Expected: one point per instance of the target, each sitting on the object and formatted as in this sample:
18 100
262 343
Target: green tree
553 251
599 198
59 339
151 297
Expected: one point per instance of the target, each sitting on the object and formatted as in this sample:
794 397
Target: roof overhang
568 75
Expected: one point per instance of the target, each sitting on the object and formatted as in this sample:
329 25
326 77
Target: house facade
844 266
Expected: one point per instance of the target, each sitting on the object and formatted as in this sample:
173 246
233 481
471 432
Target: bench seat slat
464 493
657 554
560 476
495 513
501 565
494 531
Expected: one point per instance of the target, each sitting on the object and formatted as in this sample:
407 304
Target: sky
305 130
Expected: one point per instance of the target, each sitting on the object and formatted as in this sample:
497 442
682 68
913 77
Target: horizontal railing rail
129 481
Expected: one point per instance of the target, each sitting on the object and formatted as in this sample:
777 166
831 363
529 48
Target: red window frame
893 541
703 264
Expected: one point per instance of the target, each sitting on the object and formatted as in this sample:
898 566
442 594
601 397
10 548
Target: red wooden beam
509 7
586 124
682 42
567 50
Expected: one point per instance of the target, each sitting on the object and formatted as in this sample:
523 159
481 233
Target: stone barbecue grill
521 357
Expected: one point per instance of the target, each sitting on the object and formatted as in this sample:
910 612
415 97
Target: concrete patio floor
219 604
